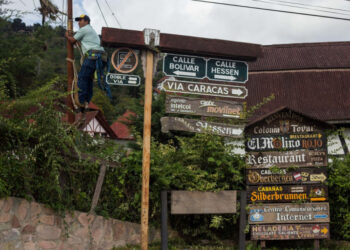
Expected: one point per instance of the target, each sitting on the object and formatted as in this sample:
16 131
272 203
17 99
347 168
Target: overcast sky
186 17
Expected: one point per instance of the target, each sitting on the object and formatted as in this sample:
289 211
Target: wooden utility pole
146 150
70 55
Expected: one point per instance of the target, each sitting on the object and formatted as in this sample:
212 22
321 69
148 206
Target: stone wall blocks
47 244
22 210
86 219
29 246
5 217
8 205
47 219
15 222
48 232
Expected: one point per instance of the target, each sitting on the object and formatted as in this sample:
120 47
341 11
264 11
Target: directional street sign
227 70
200 88
184 66
123 80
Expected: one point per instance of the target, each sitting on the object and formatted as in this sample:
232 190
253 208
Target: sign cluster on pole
212 103
286 171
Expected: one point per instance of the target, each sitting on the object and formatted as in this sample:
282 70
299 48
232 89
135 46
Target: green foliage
339 193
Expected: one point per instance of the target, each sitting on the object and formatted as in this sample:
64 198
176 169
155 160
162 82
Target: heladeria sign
286 176
287 142
282 193
203 107
317 212
289 231
299 158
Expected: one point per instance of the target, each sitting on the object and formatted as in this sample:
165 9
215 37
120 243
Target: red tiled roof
121 128
323 95
312 79
303 56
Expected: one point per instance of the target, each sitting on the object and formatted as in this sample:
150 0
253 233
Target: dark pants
85 80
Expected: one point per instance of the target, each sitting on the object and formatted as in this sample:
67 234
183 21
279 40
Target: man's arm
70 38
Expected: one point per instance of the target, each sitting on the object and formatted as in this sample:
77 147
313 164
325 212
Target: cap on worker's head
85 17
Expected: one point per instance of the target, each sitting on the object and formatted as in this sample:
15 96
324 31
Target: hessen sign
289 213
274 194
184 66
203 107
227 70
286 176
289 231
300 158
207 89
198 126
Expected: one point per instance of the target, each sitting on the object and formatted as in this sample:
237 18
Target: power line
115 17
22 2
311 5
304 8
273 10
101 13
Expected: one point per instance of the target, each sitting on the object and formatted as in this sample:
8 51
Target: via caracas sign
203 107
289 231
123 80
274 194
285 176
199 126
286 142
199 88
300 158
200 67
317 212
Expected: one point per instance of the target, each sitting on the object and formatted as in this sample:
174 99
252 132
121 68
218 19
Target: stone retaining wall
30 225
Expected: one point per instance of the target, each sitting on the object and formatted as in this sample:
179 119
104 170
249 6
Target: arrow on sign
223 77
318 177
237 92
183 73
324 230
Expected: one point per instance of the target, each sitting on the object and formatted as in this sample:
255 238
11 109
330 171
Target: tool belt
95 54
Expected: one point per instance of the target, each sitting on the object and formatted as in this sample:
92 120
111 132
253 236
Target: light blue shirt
88 38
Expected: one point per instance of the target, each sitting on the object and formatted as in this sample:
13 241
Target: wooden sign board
286 176
203 107
199 126
300 158
201 88
289 232
286 142
276 194
196 202
286 121
289 213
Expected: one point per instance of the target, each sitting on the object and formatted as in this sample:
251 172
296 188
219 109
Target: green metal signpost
123 80
227 70
184 66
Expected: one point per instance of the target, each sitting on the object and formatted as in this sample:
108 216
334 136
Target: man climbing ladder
90 44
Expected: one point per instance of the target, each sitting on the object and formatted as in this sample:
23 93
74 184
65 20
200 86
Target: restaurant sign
286 176
289 231
203 107
282 193
200 88
199 126
317 212
300 158
286 142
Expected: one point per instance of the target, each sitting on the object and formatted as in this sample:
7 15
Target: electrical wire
311 5
34 4
22 2
115 17
273 10
101 13
299 7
